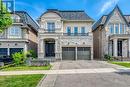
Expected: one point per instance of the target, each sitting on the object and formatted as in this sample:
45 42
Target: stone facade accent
108 43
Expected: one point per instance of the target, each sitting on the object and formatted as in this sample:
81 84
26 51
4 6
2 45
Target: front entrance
50 48
119 48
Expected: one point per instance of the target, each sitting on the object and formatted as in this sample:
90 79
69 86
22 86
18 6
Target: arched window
16 18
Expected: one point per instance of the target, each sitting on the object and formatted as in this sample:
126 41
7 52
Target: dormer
16 18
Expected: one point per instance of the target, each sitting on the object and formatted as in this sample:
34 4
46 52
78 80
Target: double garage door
83 53
4 51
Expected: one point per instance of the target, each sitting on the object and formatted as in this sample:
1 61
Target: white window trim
15 36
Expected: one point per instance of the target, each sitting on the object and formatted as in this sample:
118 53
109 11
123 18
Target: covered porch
49 49
119 46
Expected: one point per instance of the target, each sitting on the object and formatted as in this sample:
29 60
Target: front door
49 49
119 48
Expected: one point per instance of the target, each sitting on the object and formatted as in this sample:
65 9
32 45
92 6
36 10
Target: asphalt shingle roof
75 15
71 14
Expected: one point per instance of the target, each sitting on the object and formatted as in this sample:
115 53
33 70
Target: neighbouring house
111 35
65 35
20 36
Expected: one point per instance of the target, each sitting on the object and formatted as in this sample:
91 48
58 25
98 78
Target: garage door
14 50
68 53
83 53
3 51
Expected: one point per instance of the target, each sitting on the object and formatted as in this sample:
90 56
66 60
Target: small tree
5 19
19 58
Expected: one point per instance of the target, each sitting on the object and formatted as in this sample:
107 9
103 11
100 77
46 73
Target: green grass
20 81
21 68
125 64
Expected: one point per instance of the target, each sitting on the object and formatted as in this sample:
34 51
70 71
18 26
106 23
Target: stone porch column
56 48
129 47
41 48
76 54
115 47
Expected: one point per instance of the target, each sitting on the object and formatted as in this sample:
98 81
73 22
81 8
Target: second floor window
75 30
121 28
82 30
117 29
125 28
14 32
15 18
51 26
68 30
111 29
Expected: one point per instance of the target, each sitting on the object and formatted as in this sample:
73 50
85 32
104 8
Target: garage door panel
68 53
83 53
14 50
3 51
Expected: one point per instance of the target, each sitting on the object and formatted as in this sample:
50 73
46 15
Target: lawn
125 64
21 68
20 81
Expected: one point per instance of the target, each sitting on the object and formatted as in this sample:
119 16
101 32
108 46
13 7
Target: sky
94 8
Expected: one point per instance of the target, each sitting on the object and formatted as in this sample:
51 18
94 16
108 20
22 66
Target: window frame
68 30
14 32
116 28
75 30
51 26
111 28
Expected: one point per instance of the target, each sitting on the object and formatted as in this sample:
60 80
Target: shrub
19 58
31 53
108 57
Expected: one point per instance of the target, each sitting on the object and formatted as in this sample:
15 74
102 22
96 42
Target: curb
40 82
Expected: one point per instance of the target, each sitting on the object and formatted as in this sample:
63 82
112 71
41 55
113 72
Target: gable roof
70 14
104 19
27 20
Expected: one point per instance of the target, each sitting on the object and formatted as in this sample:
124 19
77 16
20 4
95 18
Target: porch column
76 55
129 47
25 47
41 48
56 49
115 47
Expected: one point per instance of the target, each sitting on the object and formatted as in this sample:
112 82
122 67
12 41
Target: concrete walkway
72 71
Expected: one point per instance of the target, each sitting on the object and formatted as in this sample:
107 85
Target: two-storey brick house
20 36
65 35
111 35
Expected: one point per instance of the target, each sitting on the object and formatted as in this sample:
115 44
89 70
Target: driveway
112 79
84 64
